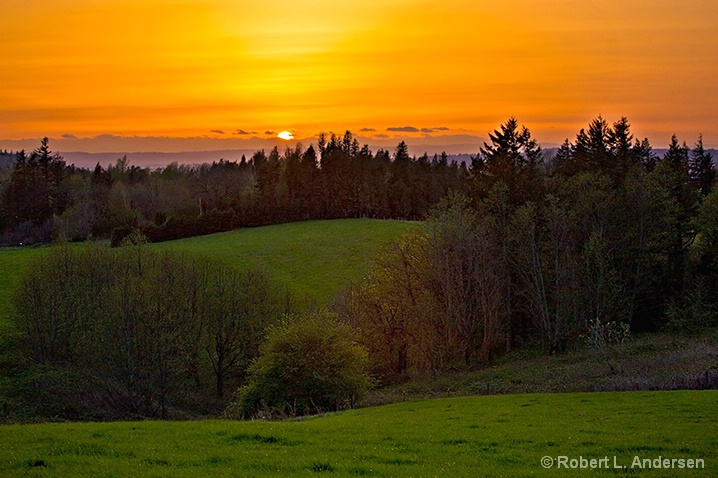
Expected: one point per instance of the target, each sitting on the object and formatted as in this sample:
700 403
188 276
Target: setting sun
287 135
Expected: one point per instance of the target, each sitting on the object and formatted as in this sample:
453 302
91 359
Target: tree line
44 199
603 238
603 204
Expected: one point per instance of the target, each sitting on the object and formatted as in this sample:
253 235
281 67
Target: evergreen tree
593 146
701 169
562 162
33 193
671 190
620 147
512 157
643 152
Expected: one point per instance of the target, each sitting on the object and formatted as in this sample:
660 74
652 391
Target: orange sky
185 68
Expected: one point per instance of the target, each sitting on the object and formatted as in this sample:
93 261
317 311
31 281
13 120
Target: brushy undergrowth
654 361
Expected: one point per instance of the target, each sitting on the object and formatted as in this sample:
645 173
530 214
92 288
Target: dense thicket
106 333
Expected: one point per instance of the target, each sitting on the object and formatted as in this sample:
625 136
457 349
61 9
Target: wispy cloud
403 129
270 132
218 131
69 136
434 130
243 132
367 130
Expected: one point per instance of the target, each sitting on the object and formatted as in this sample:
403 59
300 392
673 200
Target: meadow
315 259
470 436
13 262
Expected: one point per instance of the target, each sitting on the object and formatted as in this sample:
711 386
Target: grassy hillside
316 258
12 265
479 436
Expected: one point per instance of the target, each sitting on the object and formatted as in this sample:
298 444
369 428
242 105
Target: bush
310 366
180 228
601 335
120 233
53 393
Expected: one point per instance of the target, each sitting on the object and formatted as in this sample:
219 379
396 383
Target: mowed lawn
487 436
314 258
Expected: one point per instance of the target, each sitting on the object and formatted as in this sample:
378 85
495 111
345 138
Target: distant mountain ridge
158 159
161 159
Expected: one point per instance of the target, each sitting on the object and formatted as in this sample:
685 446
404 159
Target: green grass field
12 265
476 436
315 258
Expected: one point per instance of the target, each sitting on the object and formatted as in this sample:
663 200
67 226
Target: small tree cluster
33 193
433 302
144 333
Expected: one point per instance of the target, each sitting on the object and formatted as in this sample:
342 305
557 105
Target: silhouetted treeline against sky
43 199
337 178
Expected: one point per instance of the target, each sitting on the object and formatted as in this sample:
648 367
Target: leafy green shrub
310 366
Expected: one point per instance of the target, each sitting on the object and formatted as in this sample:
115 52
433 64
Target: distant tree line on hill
7 159
41 198
336 179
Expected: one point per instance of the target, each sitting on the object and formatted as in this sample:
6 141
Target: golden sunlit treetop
453 67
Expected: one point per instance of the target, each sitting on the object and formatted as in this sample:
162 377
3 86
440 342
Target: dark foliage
121 333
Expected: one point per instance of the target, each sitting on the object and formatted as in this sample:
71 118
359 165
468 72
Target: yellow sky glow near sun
185 68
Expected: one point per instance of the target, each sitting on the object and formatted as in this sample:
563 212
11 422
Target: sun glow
287 135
